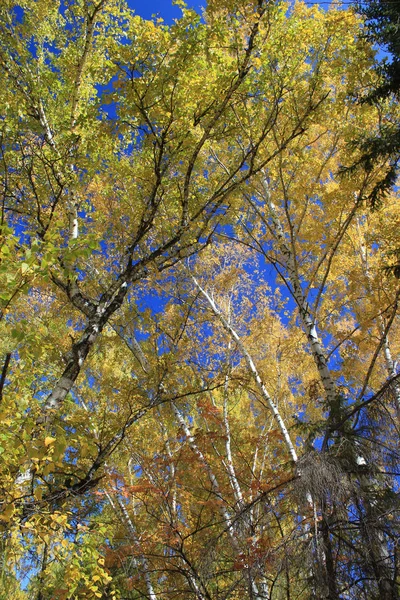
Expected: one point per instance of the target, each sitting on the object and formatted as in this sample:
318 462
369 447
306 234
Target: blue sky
163 8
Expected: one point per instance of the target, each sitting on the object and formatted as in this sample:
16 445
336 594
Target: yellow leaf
49 440
7 513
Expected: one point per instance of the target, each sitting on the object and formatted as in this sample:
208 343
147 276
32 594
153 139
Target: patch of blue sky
41 394
163 344
318 442
71 456
146 298
17 14
81 274
164 9
137 469
208 362
91 379
108 108
21 227
295 385
72 23
299 442
258 266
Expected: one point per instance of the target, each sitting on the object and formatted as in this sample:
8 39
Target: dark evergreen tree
382 23
382 28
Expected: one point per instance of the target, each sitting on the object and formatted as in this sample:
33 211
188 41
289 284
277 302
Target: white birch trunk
391 368
216 489
229 460
389 362
202 459
306 317
63 179
171 466
73 223
253 370
133 534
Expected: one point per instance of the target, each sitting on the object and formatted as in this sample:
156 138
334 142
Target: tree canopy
199 391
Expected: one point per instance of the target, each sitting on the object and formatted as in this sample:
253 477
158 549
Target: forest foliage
199 339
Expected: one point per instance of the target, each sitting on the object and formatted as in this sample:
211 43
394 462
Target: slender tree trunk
389 362
217 491
306 316
328 559
41 579
253 370
120 508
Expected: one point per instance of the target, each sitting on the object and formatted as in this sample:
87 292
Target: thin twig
4 374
